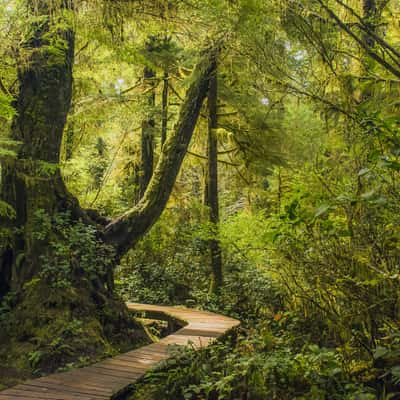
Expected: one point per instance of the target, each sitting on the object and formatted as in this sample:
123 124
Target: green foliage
7 213
153 284
6 210
267 362
166 264
34 358
160 52
6 305
8 148
73 251
170 266
6 109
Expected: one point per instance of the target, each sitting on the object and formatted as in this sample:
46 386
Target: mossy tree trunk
32 180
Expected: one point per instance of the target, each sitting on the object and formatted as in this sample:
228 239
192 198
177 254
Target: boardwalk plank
48 387
52 380
58 396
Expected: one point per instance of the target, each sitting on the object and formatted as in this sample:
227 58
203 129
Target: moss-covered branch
126 230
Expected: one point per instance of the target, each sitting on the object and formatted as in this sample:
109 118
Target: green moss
51 329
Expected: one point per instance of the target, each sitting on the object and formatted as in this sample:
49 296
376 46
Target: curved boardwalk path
108 378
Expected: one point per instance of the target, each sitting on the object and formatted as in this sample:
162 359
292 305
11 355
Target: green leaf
322 210
363 171
395 165
6 110
368 195
395 371
6 210
380 352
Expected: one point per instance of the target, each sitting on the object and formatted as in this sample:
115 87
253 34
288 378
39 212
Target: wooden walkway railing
109 378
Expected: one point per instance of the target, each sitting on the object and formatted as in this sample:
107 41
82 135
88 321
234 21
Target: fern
48 169
8 147
7 111
6 210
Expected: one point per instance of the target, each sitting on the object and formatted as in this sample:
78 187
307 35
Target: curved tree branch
126 230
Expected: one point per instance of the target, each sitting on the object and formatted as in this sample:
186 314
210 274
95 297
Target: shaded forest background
282 212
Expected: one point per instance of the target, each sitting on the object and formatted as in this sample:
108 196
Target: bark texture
32 180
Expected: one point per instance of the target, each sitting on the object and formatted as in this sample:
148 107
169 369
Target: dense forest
240 157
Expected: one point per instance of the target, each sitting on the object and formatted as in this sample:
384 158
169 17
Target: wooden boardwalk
109 378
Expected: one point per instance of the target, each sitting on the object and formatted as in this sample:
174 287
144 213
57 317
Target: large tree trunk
32 180
212 186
